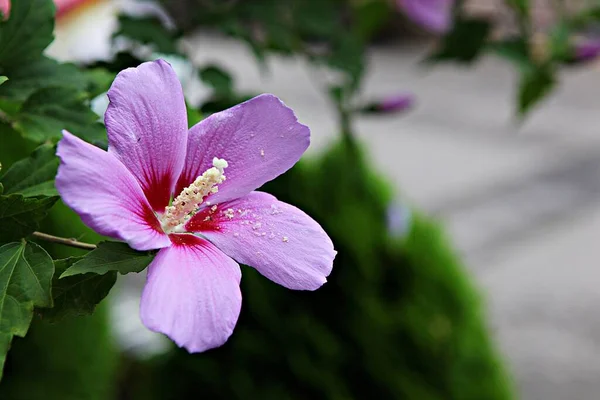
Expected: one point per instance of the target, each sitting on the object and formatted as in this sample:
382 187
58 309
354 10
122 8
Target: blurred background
498 304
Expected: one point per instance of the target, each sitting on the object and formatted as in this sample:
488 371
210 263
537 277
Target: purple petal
260 139
105 195
192 294
147 127
280 241
435 15
395 103
587 49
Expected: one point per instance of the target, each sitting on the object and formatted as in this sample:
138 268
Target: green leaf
99 80
194 116
520 6
25 274
26 33
76 295
33 176
38 74
218 79
48 111
148 31
464 43
535 84
514 50
111 256
3 79
20 216
560 42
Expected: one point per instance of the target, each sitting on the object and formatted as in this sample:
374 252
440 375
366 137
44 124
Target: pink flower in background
587 50
191 195
434 15
5 7
396 103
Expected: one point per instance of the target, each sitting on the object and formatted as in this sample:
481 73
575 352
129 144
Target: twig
65 241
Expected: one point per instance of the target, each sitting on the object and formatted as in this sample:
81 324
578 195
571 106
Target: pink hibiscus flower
434 15
191 195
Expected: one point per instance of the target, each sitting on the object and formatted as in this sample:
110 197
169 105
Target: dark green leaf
99 80
25 274
194 116
77 295
26 33
535 84
38 74
464 43
560 42
148 31
111 256
347 56
520 6
218 79
514 50
48 111
33 176
20 216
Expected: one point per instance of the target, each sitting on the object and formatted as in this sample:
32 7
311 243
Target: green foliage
535 84
397 319
20 216
464 43
78 295
27 32
111 256
220 81
148 31
75 359
25 272
33 176
48 111
3 79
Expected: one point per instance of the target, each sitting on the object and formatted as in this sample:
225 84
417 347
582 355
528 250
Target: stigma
188 202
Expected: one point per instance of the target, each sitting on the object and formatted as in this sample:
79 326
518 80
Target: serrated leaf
26 33
148 31
25 274
76 295
111 256
48 111
464 43
535 83
20 216
33 176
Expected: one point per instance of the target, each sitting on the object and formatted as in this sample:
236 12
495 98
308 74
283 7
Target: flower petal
435 15
105 195
280 241
260 139
146 122
192 294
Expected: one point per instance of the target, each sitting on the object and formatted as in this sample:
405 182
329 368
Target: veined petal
192 294
106 195
260 139
146 122
279 240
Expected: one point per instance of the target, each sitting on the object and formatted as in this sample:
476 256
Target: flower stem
65 241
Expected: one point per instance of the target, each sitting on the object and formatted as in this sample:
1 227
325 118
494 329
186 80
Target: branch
65 241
